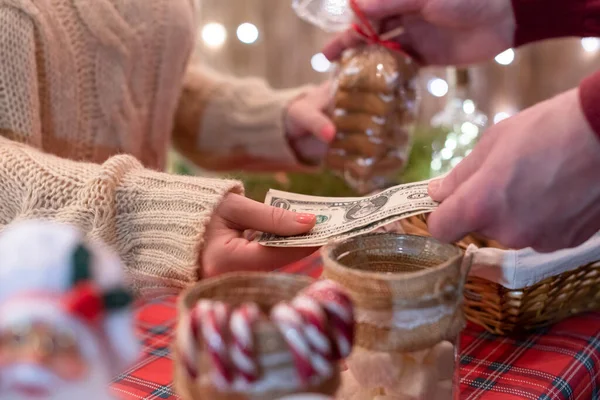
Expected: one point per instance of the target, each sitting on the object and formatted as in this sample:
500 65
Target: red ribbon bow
366 30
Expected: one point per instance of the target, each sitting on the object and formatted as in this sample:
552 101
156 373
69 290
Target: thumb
461 213
314 121
440 189
243 214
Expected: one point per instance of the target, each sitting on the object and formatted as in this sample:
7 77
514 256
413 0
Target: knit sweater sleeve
546 19
155 221
225 123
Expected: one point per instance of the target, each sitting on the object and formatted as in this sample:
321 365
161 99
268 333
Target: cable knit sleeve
154 220
224 123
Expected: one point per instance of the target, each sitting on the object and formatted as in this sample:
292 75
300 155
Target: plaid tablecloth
558 363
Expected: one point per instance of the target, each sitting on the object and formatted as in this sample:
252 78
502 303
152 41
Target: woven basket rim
327 250
191 295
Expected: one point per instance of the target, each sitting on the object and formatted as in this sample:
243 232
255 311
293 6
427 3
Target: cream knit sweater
92 92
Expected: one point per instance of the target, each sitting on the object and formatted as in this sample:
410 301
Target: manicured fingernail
305 218
434 186
328 133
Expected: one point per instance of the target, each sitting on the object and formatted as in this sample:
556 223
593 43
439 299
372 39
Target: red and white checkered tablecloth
561 362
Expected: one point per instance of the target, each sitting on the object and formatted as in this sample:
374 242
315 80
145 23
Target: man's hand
532 181
439 32
227 246
308 128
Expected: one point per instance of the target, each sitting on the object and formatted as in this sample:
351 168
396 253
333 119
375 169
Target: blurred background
265 38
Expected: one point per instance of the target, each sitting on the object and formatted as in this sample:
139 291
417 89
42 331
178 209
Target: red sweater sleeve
547 19
589 95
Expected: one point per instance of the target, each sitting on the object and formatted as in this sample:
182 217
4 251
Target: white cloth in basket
516 269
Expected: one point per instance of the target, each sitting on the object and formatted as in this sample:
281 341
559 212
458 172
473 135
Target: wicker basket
502 311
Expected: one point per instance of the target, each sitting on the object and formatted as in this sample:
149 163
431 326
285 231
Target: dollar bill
347 235
344 217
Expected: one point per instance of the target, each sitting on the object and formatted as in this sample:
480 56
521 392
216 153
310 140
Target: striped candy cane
318 326
242 347
214 318
187 338
316 329
340 314
291 324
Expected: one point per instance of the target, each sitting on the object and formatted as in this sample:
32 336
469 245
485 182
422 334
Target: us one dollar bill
345 217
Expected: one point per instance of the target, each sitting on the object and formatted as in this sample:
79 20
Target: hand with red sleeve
438 32
458 32
532 181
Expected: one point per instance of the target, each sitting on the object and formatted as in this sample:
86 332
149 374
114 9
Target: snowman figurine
66 322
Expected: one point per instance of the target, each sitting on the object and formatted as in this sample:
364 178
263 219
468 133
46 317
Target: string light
590 44
468 106
469 129
214 34
454 162
461 124
320 63
446 153
247 33
506 57
437 87
450 143
502 115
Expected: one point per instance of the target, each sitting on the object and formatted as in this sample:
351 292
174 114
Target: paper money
345 217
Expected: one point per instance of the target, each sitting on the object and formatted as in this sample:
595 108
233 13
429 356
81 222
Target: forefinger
463 212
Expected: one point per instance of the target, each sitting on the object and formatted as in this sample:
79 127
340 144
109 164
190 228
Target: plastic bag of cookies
374 100
374 110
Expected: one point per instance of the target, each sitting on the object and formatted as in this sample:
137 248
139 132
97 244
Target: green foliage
324 183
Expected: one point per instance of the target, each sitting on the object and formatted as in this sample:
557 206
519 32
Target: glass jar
277 371
374 109
407 294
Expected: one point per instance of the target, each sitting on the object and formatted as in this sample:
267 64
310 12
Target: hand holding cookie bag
374 99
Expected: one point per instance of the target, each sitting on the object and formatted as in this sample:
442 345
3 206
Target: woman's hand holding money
228 247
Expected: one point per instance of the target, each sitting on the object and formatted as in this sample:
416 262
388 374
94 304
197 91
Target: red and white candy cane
242 353
214 318
291 324
318 326
187 338
315 327
340 314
